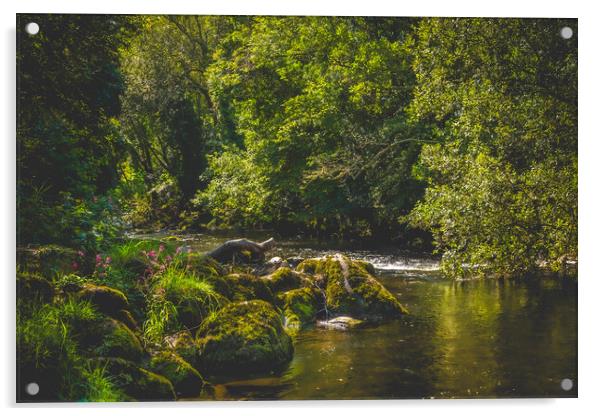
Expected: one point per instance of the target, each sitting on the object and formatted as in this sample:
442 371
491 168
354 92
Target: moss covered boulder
300 308
48 260
283 279
107 337
245 286
34 288
192 295
136 382
106 299
245 337
126 317
351 290
186 380
185 345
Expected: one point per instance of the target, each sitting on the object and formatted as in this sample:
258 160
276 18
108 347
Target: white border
590 160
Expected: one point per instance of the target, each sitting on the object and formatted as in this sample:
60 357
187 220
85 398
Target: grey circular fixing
32 389
566 384
566 32
32 28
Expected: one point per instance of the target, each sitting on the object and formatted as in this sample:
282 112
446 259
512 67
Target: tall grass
99 386
48 352
174 287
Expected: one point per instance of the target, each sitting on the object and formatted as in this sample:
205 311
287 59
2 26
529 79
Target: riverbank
151 320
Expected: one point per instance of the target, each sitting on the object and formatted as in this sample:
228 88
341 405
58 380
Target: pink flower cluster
102 266
159 260
75 264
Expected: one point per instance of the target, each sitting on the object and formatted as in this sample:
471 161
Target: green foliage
332 126
178 298
502 184
160 318
48 352
326 144
67 150
99 386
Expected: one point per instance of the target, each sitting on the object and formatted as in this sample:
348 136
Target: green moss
106 299
126 317
110 338
184 344
244 337
248 287
367 266
34 288
47 261
136 382
283 279
367 297
308 266
193 297
186 380
300 308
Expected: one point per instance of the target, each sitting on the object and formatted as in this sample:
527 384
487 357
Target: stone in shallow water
351 290
243 338
341 323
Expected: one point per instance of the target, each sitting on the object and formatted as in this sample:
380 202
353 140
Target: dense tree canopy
502 181
332 126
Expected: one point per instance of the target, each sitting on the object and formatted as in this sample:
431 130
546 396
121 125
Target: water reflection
489 338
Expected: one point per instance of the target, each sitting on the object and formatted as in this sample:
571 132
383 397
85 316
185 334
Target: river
463 339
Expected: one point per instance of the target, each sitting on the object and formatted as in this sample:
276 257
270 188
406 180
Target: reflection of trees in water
463 339
538 341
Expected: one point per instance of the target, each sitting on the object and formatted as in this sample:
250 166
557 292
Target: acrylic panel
290 207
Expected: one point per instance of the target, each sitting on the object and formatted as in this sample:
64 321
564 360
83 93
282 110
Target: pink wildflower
98 259
74 265
108 260
161 248
80 253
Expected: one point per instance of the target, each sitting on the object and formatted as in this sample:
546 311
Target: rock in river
351 290
242 338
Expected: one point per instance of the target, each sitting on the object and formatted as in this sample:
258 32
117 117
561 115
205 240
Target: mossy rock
136 382
242 338
191 312
308 266
106 299
351 290
107 337
126 317
185 345
186 380
300 308
34 288
136 266
48 261
366 265
204 266
248 287
283 279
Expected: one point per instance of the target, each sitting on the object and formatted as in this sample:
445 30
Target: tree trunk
241 251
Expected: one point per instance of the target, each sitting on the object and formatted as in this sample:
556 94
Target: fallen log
241 251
